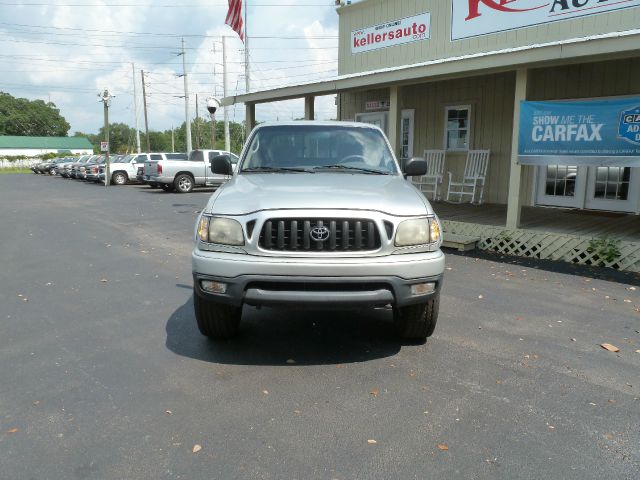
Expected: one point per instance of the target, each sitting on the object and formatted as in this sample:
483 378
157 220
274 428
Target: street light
105 98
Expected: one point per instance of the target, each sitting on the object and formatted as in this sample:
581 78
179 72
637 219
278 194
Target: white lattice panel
546 245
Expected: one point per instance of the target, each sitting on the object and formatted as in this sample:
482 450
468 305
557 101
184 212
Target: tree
160 141
22 117
122 138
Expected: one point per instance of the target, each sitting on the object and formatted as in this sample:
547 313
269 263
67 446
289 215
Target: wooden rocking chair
473 180
431 183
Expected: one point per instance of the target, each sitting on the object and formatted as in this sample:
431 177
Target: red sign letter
474 5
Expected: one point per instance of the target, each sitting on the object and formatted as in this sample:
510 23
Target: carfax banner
470 18
589 132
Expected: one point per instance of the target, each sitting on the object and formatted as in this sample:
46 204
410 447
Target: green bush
606 250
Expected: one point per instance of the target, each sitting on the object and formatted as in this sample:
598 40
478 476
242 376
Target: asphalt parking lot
104 375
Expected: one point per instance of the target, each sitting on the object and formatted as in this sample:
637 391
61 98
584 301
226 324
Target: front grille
295 234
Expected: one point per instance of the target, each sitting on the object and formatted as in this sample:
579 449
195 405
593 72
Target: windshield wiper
353 169
278 169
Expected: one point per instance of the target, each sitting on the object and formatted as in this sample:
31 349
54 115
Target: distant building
32 146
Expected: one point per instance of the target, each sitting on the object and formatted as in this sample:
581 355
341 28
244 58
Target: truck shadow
281 337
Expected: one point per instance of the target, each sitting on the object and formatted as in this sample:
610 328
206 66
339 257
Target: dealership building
547 92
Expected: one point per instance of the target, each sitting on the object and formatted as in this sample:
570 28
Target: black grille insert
344 234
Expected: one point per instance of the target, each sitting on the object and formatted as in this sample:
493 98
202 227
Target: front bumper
367 281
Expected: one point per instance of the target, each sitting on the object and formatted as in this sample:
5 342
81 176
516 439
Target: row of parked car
177 172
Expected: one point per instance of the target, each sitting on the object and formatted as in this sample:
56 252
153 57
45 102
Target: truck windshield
319 148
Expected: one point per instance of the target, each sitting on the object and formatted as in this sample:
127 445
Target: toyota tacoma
317 214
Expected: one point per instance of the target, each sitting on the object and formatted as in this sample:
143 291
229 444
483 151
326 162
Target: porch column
309 107
250 118
514 202
395 116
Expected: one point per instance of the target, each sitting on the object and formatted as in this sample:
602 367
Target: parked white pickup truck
123 170
182 175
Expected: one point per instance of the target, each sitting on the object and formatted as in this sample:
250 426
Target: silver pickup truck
149 171
317 214
181 175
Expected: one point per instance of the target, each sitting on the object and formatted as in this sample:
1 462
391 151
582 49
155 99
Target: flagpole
225 86
246 48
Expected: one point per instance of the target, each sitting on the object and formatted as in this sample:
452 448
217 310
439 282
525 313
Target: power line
29 58
177 35
40 4
119 46
55 88
154 47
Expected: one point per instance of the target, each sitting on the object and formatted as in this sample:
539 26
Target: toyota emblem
320 234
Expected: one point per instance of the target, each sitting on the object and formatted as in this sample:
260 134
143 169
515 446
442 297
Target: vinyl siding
373 12
491 99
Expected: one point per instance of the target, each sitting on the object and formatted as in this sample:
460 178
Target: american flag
234 17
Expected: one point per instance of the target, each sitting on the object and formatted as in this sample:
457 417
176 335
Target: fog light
213 287
423 288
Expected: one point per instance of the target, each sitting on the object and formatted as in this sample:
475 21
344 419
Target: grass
15 170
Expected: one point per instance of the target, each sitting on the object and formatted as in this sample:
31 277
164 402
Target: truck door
197 166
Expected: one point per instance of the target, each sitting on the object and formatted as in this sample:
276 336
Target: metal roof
609 46
58 143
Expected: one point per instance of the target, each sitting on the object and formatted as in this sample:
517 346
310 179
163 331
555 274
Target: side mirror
415 167
221 165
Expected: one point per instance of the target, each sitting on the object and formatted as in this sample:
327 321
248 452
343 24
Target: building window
612 183
561 181
457 127
406 135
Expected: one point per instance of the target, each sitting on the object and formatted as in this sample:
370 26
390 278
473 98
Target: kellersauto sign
393 33
471 18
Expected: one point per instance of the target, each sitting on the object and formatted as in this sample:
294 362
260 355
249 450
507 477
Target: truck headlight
224 231
420 231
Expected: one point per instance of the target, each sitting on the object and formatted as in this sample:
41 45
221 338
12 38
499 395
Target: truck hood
248 193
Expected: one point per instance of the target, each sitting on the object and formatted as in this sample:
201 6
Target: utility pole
197 125
135 106
215 94
225 86
186 99
146 119
213 131
105 98
173 141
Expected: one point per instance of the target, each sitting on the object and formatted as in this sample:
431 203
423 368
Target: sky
66 51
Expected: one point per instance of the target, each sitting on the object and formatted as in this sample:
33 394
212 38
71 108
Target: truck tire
216 320
417 322
52 171
183 183
119 178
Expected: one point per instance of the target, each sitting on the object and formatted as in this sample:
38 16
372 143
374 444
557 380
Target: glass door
561 185
613 188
